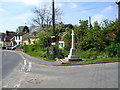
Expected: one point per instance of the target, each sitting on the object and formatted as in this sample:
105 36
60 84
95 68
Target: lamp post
118 3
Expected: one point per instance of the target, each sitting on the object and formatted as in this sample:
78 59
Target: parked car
12 47
3 48
9 47
16 46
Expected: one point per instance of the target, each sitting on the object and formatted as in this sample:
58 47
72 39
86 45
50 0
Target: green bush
113 50
88 54
52 52
60 54
27 48
35 50
21 47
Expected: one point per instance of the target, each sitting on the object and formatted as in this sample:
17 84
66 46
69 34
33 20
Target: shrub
113 50
60 54
88 54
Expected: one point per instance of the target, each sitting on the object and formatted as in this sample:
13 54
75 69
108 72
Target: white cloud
9 1
27 2
21 17
11 23
107 9
98 17
102 15
73 5
59 5
31 2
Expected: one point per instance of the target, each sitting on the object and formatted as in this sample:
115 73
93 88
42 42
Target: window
4 39
61 44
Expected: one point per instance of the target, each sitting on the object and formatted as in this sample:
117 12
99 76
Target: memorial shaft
73 40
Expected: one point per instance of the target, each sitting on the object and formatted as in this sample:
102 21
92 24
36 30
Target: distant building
17 39
30 41
30 38
61 44
6 38
10 38
1 40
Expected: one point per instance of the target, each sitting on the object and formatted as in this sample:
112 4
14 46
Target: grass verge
87 60
34 54
93 61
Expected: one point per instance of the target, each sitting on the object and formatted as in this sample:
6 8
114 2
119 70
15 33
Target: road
9 61
88 76
45 76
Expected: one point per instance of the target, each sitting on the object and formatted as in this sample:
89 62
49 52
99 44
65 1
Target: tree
19 29
43 16
82 29
26 29
96 26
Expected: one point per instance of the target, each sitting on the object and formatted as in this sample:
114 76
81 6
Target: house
6 38
1 40
30 38
11 38
1 43
61 44
17 39
30 41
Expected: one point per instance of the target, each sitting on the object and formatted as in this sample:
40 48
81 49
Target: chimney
7 33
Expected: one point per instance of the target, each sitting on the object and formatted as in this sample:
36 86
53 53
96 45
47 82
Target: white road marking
29 66
18 84
25 62
24 65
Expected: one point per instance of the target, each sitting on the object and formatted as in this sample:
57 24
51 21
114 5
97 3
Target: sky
14 13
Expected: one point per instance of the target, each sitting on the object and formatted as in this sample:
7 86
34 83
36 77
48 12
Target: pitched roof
2 35
8 37
20 34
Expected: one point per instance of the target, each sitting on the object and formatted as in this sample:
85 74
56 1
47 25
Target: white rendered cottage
17 39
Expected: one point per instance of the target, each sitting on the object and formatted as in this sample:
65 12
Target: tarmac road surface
47 76
9 62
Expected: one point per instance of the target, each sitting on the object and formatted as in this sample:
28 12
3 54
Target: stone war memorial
72 55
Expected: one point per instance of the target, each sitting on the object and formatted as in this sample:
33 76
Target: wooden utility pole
53 16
